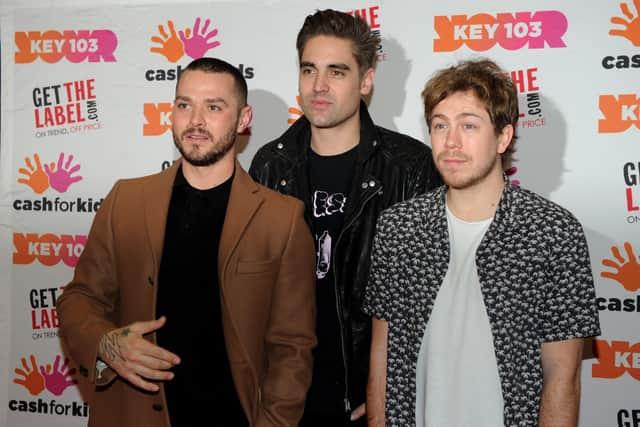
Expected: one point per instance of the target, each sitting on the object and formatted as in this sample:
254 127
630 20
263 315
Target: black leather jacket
390 167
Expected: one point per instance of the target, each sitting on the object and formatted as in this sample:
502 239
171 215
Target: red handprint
512 171
170 45
199 44
627 272
631 26
58 379
60 178
36 178
32 379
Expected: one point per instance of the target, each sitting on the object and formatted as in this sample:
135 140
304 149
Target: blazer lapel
156 198
244 200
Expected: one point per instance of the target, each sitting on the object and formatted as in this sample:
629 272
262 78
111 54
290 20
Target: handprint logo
61 178
58 177
59 378
35 379
631 30
30 377
627 272
170 45
195 43
510 173
296 112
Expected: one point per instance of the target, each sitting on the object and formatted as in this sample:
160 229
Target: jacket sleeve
258 167
87 305
291 331
425 175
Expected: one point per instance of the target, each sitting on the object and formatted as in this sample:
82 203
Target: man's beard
197 156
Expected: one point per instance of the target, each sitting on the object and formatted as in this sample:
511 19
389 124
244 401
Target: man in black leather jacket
346 170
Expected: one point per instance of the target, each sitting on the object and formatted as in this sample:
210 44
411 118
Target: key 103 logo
52 46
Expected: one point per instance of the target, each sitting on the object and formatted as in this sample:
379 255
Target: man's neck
206 177
336 140
478 202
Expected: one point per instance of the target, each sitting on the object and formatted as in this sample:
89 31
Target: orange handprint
36 177
170 45
33 380
296 112
627 273
632 25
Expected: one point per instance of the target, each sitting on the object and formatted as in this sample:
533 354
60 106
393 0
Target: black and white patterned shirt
535 277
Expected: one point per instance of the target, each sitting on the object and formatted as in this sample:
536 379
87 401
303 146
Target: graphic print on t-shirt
325 205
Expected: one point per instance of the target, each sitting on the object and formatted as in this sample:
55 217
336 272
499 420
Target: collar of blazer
244 200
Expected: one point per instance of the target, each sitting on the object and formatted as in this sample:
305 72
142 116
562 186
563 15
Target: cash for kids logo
49 249
58 177
511 31
75 46
64 108
194 42
624 270
55 379
626 26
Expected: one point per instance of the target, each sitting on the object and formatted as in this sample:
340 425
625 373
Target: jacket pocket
256 267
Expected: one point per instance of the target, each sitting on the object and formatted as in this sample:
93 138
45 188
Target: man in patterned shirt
481 291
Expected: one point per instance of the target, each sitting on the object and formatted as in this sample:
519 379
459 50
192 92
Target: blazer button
157 407
283 182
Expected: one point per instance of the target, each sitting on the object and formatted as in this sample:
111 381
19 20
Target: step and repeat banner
87 95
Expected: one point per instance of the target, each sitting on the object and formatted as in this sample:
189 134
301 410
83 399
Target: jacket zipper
347 403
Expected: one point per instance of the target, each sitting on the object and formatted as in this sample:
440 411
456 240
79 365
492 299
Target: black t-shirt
189 296
329 182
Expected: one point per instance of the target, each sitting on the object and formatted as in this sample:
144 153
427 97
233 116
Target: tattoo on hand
110 345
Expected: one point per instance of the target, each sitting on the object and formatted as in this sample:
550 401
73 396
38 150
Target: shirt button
283 182
372 183
375 142
157 407
280 145
364 185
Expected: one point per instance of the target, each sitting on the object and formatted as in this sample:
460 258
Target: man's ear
246 114
504 138
366 83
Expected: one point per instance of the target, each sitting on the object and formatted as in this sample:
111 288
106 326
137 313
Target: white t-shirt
457 382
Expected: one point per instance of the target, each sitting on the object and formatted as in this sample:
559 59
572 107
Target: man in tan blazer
194 297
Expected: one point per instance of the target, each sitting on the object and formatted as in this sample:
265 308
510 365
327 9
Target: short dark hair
330 22
216 65
493 87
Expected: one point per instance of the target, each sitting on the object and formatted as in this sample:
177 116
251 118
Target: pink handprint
512 171
199 44
33 381
58 380
60 178
627 272
170 46
632 26
36 178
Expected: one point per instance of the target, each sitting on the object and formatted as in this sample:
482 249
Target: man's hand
359 412
136 359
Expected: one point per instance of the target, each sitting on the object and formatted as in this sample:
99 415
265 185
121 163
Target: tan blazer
267 292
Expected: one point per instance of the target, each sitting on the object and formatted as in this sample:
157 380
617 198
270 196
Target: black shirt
189 296
329 182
